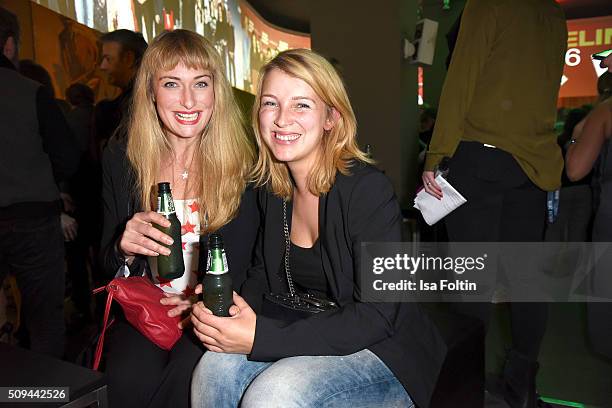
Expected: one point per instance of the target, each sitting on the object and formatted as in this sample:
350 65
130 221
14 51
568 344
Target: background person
84 192
122 51
37 153
575 198
496 122
590 145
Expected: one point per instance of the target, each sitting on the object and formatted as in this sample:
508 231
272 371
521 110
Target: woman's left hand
234 334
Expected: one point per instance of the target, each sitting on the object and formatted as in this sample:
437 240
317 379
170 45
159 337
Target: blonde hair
224 153
339 145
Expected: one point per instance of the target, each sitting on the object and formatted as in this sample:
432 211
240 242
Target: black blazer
120 202
361 207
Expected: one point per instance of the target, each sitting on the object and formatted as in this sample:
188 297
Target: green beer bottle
217 283
170 266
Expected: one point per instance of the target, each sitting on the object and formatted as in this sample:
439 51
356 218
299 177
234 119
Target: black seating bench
25 368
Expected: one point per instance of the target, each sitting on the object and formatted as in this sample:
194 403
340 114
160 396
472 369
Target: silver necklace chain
186 169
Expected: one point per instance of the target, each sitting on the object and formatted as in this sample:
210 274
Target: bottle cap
163 187
215 241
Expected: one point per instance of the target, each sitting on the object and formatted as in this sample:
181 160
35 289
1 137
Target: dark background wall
433 76
365 38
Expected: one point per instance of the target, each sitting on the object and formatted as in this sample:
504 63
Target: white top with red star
188 215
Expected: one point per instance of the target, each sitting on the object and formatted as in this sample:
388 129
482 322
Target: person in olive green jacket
495 121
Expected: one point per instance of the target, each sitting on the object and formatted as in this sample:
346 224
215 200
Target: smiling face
292 119
184 99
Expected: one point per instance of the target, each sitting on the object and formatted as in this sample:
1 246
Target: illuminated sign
584 38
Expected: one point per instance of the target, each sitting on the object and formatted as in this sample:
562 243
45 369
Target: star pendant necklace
185 173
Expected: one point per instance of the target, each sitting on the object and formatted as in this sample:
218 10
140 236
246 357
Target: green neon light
446 5
561 402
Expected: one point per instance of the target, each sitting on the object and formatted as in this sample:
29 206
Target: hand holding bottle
233 309
140 237
235 334
186 322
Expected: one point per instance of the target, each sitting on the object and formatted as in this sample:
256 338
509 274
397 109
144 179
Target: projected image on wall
244 40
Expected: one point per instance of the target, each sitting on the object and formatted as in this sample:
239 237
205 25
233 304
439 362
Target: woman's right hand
140 237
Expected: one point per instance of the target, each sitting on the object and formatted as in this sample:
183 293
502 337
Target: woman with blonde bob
321 199
184 128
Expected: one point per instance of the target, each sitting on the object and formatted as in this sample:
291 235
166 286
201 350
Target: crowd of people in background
39 154
75 132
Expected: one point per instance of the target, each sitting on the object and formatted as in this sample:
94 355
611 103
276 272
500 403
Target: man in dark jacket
37 152
122 51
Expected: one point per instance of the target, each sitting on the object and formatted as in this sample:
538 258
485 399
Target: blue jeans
358 380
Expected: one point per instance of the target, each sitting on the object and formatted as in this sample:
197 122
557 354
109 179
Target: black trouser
503 205
599 314
32 249
140 374
76 264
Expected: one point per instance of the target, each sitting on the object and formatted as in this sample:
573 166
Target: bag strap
298 297
109 299
287 249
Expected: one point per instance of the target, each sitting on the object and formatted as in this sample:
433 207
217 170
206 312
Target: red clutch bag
139 298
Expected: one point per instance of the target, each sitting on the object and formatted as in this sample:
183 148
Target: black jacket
110 116
38 149
359 208
120 203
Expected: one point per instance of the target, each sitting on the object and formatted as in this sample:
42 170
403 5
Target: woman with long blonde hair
320 344
184 128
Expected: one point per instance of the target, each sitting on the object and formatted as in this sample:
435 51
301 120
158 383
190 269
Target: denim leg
219 379
358 380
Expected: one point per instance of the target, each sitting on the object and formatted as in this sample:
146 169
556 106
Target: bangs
190 60
172 49
302 65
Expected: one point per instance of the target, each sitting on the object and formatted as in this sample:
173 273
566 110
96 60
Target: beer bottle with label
217 283
169 266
